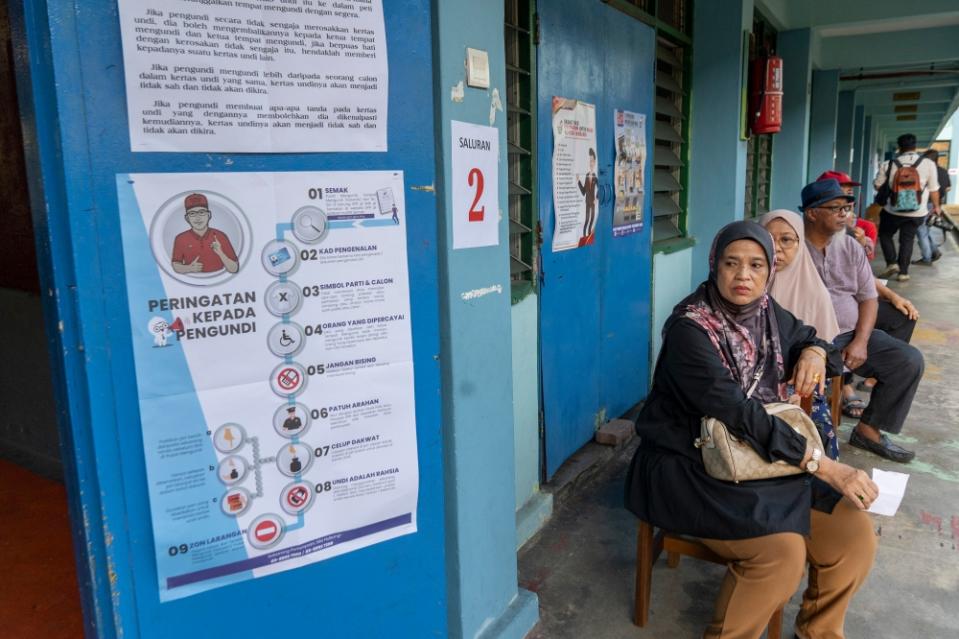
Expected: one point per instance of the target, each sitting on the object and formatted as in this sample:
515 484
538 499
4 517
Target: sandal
853 407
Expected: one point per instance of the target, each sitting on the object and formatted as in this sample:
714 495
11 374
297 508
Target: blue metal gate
594 300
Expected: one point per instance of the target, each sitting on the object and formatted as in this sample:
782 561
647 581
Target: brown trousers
764 572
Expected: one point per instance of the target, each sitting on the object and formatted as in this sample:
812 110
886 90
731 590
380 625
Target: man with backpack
905 185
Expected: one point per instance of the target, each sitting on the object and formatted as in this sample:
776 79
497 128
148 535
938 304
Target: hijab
798 287
746 336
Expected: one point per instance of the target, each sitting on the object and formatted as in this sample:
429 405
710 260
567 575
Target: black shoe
936 255
884 448
923 262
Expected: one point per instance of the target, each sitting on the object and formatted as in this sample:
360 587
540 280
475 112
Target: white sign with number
475 180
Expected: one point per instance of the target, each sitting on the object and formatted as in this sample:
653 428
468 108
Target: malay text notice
254 76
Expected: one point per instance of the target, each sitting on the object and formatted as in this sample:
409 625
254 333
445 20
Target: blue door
594 300
72 92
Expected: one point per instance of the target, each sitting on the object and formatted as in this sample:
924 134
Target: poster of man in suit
576 187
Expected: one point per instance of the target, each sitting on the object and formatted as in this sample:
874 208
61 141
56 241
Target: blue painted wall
72 99
791 149
717 155
484 599
822 121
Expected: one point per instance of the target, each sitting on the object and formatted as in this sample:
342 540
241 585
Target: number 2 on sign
476 215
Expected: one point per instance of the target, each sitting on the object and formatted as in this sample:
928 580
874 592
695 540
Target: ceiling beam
935 95
916 46
790 14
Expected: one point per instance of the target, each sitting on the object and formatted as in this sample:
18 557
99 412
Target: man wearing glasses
866 351
202 248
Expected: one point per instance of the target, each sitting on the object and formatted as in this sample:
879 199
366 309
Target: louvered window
520 134
759 160
759 148
671 133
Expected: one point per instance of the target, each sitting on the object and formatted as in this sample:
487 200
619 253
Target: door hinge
535 28
542 424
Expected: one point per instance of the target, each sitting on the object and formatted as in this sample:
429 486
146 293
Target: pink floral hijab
746 337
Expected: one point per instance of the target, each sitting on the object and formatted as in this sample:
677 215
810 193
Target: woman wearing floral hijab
717 343
799 289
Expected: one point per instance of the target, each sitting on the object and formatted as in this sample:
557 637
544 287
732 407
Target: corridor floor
38 590
582 563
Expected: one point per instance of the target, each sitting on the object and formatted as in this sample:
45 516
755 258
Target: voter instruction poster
270 316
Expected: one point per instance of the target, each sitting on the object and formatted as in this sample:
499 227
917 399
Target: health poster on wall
255 76
271 332
629 130
575 181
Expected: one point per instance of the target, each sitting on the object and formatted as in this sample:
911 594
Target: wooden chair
651 543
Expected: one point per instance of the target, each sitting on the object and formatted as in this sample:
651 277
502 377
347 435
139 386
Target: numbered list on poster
272 340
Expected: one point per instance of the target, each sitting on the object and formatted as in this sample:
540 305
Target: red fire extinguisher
766 95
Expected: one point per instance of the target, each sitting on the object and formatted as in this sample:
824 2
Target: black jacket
667 483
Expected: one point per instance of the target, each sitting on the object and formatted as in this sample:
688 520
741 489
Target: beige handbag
730 459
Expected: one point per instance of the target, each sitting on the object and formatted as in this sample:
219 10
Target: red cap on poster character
844 179
195 200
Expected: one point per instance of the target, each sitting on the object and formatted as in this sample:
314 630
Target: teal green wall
791 149
822 121
673 279
717 155
476 355
525 323
845 130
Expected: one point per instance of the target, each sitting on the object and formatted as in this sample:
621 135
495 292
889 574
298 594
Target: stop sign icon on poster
264 531
476 214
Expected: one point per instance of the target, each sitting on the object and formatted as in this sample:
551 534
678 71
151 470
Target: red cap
195 200
843 178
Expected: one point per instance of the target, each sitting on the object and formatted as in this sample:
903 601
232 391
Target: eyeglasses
787 242
835 210
198 213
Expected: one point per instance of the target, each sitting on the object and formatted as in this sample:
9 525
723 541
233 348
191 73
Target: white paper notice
270 318
892 488
475 167
255 76
575 182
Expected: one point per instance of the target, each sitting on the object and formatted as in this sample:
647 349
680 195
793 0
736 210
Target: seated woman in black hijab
717 341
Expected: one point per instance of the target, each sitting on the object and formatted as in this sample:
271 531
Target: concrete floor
582 563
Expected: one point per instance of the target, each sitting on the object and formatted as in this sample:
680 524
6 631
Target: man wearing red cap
202 249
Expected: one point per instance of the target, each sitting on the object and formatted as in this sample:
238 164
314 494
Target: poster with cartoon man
576 186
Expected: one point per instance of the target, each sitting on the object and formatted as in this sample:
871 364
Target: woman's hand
854 484
810 372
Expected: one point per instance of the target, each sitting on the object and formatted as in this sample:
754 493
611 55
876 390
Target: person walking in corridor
906 184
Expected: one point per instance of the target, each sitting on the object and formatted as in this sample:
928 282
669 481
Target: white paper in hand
892 487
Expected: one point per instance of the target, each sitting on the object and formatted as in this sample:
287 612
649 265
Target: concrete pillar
476 357
845 131
865 168
822 122
791 147
859 155
717 155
